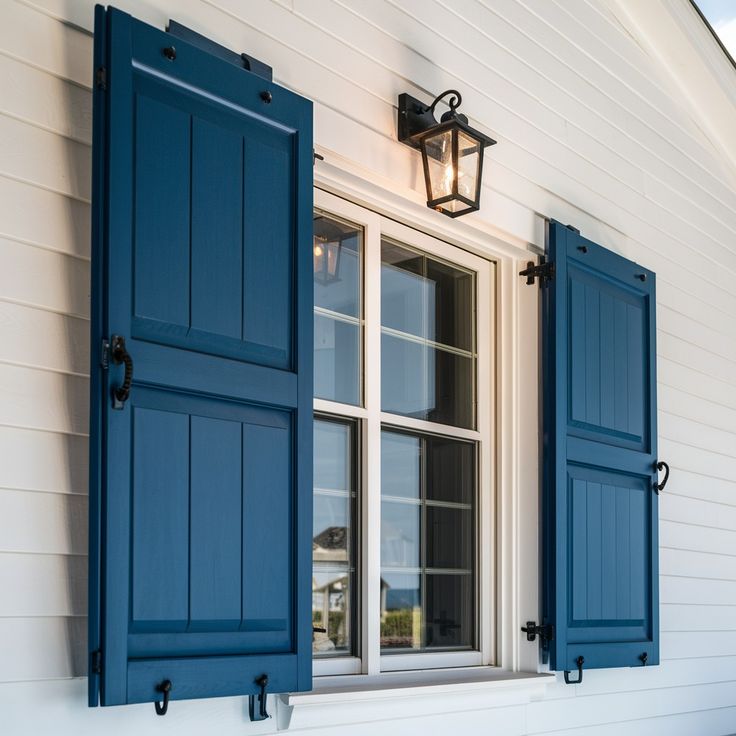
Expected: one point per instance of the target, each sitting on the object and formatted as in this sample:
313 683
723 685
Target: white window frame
371 662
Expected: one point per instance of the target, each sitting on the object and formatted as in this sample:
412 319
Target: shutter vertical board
200 495
599 457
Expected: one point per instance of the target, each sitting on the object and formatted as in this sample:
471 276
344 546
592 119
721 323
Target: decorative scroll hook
454 103
662 465
165 688
579 662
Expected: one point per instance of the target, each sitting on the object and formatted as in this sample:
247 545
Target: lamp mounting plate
414 118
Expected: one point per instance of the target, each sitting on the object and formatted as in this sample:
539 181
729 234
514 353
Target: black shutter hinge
101 78
95 665
544 272
316 157
545 632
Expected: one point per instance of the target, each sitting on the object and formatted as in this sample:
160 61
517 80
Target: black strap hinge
96 662
543 271
545 632
101 78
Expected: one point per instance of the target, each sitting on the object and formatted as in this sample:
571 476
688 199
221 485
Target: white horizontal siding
590 132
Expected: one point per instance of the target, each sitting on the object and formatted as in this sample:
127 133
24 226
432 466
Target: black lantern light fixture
452 152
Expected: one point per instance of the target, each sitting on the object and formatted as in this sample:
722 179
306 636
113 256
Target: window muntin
428 521
337 256
334 591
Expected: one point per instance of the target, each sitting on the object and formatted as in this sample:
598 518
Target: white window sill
345 689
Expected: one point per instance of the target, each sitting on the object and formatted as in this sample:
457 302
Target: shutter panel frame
587 450
217 380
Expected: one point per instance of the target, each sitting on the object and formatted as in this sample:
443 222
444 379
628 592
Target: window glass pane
450 602
450 470
336 359
428 338
337 255
333 545
400 523
428 545
425 382
401 611
400 463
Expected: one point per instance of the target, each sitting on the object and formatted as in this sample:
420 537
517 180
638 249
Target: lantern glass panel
438 161
468 165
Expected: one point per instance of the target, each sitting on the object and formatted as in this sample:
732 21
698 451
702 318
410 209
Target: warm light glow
447 180
318 250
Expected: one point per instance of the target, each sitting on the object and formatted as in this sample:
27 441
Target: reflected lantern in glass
328 239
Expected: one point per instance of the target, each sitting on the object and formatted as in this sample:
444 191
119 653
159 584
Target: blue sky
721 14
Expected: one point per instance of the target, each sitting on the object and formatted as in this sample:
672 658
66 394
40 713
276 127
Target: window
403 447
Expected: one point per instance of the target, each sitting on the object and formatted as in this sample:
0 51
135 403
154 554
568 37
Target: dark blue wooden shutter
599 457
200 493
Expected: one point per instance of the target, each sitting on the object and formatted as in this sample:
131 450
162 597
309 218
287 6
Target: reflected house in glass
330 588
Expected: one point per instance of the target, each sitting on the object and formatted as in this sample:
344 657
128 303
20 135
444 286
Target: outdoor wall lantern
452 152
327 247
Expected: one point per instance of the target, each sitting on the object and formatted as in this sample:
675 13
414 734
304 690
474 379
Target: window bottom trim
342 689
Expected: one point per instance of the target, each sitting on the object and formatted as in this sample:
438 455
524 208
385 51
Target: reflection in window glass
427 338
337 253
428 544
333 544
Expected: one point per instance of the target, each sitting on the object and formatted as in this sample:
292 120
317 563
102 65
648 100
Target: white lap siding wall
590 132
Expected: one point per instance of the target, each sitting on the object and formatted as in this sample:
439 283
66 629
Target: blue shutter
201 484
599 457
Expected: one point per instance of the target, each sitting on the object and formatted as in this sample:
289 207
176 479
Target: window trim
372 419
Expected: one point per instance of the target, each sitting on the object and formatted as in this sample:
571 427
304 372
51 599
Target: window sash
373 420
